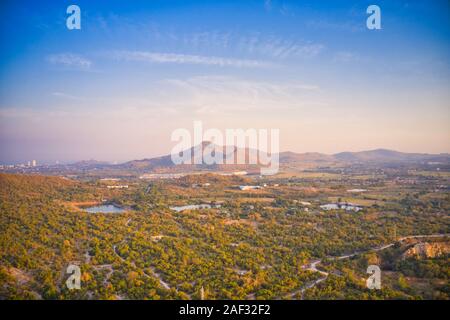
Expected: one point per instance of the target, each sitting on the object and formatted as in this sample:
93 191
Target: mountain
89 164
251 156
288 159
285 158
291 157
387 156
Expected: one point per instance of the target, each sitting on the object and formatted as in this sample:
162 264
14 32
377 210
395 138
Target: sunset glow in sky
137 70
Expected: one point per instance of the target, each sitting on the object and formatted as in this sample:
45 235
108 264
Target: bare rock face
423 250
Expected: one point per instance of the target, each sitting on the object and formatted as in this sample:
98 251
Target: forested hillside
255 244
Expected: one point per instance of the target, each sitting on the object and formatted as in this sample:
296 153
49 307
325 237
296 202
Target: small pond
104 208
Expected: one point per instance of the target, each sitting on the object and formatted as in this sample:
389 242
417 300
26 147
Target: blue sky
137 70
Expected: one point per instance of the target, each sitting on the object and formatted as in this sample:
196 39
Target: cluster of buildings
246 187
122 186
235 173
152 176
29 164
243 188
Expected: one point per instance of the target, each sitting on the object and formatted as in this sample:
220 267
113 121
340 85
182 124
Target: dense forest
254 244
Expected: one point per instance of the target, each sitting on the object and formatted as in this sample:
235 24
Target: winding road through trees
312 266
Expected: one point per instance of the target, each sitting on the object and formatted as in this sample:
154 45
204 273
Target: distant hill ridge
288 158
370 156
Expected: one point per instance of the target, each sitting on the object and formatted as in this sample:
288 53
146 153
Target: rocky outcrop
424 250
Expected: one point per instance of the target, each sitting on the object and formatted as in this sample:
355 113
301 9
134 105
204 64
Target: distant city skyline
136 71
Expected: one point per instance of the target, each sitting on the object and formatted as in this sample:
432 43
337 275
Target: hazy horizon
52 161
117 88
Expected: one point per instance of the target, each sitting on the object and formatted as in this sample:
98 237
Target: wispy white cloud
157 57
65 96
228 95
256 43
248 45
280 7
203 39
286 11
279 48
346 56
348 26
70 60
